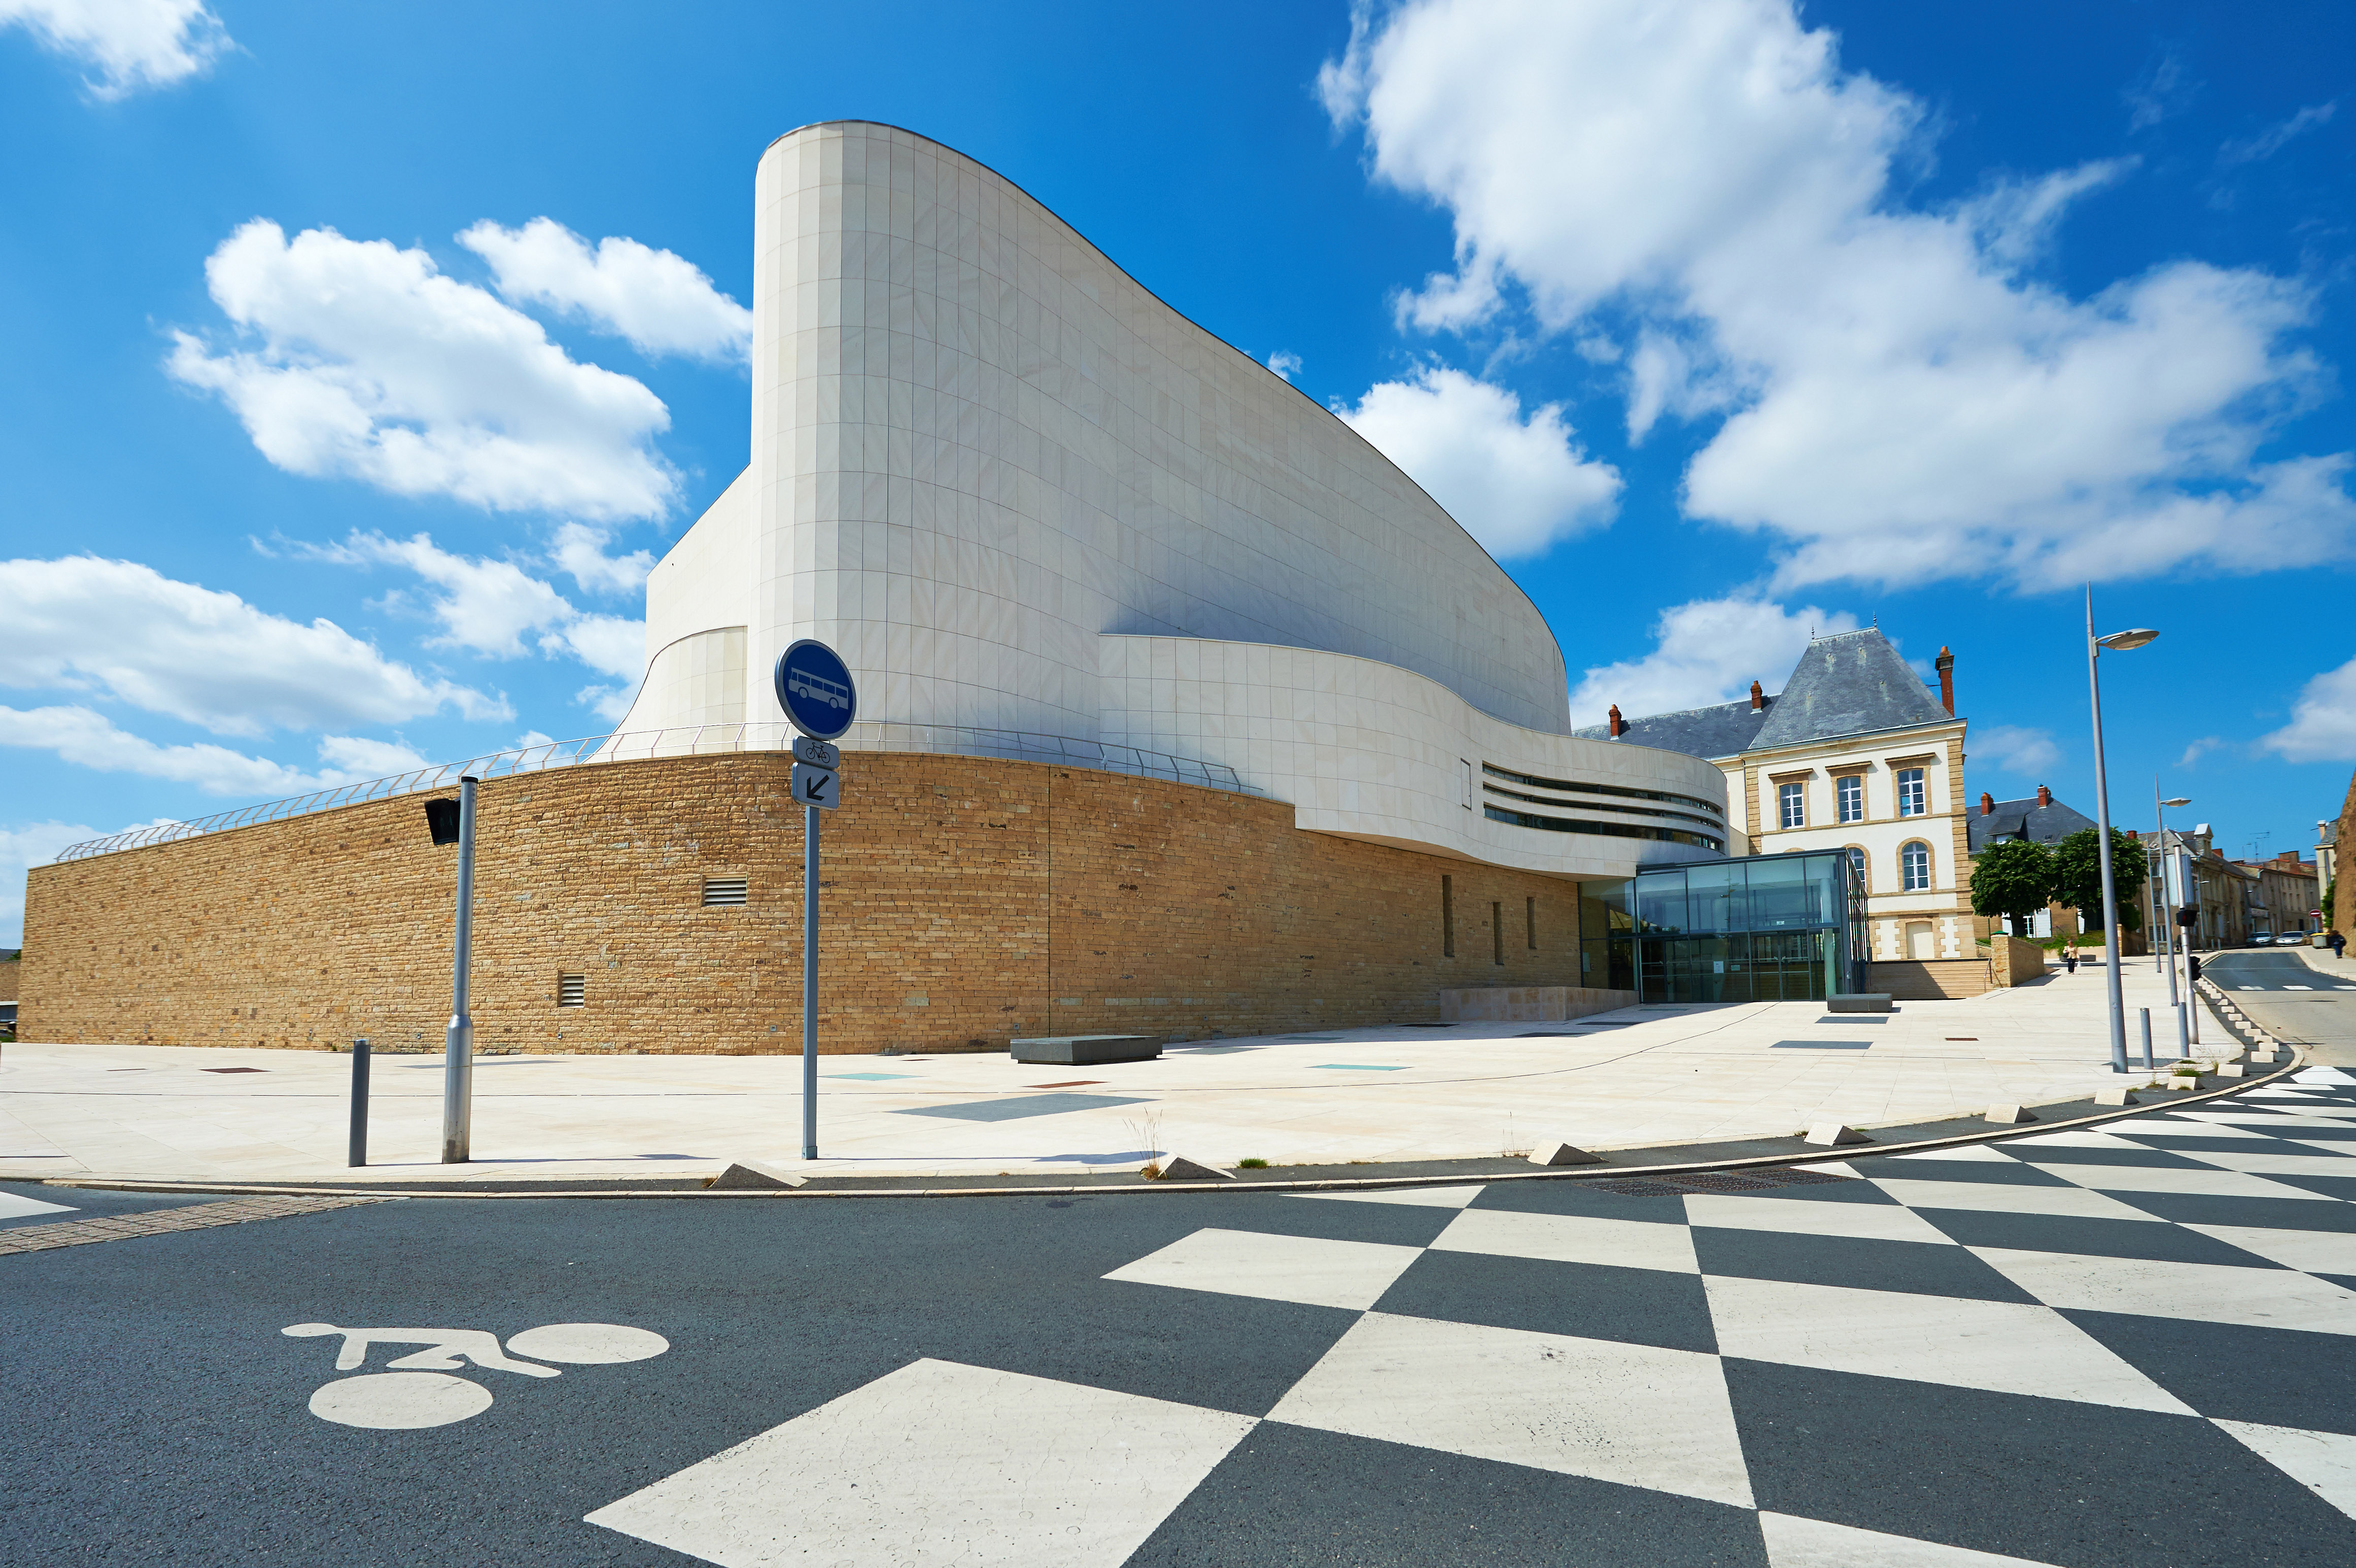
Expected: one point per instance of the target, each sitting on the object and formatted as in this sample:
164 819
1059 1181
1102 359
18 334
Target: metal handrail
640 745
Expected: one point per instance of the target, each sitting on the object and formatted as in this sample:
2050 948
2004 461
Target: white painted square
1306 1269
1793 1542
1636 1415
2203 1293
2009 1347
2210 1183
1414 1197
2323 1462
2260 1162
15 1206
2075 1138
2010 1198
940 1463
2181 1128
2316 1251
1983 1154
1798 1216
1570 1239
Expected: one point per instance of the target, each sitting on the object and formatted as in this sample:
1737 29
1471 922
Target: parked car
2291 939
2262 939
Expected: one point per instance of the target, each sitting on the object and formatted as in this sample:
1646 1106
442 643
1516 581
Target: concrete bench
1858 1002
1086 1050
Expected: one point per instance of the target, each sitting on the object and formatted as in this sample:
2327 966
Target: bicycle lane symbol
417 1389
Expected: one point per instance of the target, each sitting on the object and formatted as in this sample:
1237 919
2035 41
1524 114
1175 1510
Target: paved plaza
2124 1347
1643 1077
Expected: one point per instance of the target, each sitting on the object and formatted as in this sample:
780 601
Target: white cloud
1909 404
129 44
2322 727
492 607
1285 363
1706 652
89 738
661 301
485 606
2011 749
83 623
608 643
2200 749
359 758
580 550
2161 90
1517 484
34 844
358 359
2271 140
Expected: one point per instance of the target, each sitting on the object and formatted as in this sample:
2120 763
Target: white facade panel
1016 490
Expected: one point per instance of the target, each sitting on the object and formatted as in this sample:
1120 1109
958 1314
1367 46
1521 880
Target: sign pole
458 1044
820 698
809 982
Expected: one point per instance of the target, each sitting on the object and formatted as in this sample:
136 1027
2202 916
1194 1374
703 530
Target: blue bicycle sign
815 688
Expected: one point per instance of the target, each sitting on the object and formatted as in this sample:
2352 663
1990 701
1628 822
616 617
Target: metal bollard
357 1154
2146 1037
2183 1034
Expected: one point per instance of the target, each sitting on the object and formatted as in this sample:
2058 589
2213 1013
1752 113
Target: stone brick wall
2014 961
965 901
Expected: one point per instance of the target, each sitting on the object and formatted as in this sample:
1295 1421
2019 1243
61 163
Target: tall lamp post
2116 641
2164 923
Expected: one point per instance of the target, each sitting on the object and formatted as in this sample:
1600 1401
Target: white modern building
1024 498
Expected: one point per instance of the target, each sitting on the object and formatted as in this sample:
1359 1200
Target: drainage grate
227 1070
1714 1181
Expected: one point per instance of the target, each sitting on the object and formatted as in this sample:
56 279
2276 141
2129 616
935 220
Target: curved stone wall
966 901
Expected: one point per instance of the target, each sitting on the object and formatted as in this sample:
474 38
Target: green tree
2328 889
2012 878
2078 876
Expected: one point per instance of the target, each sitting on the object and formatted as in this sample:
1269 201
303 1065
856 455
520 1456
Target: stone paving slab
1641 1078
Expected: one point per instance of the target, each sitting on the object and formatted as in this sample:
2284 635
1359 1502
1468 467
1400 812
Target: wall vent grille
572 990
722 891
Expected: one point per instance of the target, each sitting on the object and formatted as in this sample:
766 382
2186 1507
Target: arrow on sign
820 787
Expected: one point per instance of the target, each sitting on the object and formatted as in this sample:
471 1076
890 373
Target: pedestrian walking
2070 956
2338 944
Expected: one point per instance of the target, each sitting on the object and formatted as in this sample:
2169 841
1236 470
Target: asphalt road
2095 1350
2292 999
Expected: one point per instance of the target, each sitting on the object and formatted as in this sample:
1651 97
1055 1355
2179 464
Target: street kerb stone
1178 1167
1831 1132
1556 1154
2116 1094
2008 1115
747 1174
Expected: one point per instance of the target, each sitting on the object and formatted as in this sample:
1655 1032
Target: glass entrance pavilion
1761 929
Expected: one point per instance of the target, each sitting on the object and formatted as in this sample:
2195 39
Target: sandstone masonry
965 901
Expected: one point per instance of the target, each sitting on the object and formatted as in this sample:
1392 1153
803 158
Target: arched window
1914 868
1858 864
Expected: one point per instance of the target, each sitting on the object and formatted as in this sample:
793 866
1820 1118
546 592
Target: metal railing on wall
641 745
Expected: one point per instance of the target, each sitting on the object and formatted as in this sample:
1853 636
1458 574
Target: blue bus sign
815 688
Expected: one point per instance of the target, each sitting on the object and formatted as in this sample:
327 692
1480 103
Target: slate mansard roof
2025 819
1852 683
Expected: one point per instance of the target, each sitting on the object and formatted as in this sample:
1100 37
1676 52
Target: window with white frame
1856 864
1851 790
1791 805
1914 868
1913 801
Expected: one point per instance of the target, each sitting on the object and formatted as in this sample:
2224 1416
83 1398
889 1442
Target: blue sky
1717 322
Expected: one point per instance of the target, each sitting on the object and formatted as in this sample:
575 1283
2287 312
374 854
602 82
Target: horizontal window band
1537 783
1606 830
1598 805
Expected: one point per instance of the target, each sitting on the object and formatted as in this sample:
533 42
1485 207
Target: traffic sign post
816 689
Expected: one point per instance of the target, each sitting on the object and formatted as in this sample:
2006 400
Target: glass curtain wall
1764 929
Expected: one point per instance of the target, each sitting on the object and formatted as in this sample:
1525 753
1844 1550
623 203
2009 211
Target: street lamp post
2118 642
453 822
2166 944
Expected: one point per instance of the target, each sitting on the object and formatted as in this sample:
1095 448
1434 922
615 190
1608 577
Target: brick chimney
1617 724
1946 665
1988 804
2044 795
1758 697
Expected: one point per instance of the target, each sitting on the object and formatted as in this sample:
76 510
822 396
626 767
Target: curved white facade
1010 486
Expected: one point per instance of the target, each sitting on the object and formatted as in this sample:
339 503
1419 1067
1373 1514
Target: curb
1350 1184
